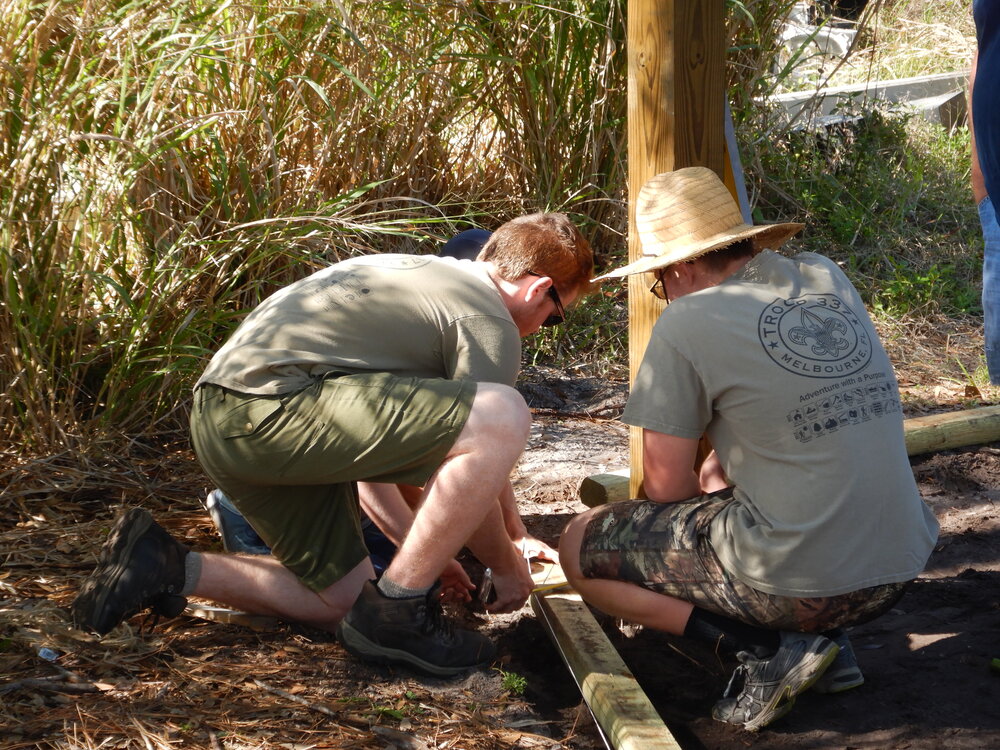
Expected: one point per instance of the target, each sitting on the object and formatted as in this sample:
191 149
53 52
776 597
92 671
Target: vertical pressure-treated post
676 118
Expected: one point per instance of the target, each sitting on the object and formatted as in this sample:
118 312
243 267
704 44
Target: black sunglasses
658 289
560 316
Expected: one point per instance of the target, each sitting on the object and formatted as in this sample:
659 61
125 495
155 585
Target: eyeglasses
560 316
658 289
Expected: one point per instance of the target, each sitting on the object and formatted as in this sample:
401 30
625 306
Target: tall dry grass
908 38
167 165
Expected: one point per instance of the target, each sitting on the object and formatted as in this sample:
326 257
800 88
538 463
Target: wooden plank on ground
935 432
600 489
623 711
547 576
954 429
950 110
258 623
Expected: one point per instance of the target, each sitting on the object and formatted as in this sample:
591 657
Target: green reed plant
555 84
885 192
594 338
753 55
888 196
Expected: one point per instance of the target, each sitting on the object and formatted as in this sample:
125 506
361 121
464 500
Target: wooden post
676 117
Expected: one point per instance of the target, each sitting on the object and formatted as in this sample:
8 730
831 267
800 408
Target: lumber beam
935 432
601 489
949 110
954 429
622 710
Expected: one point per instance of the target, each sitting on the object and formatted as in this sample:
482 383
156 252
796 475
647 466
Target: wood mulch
192 683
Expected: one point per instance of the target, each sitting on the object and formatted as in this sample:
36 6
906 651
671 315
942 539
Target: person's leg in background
991 287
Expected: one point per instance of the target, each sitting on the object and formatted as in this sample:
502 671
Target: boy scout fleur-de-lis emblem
827 333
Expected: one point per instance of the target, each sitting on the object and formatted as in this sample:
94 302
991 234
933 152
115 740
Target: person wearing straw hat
805 518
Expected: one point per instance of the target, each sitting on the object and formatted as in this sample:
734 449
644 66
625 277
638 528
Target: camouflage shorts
665 547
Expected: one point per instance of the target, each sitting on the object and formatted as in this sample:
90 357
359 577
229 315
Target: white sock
192 573
392 590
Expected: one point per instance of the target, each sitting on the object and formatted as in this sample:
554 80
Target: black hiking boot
141 567
769 686
413 632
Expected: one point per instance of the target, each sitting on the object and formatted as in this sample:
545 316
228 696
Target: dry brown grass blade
311 705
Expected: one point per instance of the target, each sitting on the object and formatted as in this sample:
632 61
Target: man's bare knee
499 416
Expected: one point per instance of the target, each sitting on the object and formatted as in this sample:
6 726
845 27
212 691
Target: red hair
546 244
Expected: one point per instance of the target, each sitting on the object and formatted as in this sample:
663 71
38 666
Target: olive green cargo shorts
290 462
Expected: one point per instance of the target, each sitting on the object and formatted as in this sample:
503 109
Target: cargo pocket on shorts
249 417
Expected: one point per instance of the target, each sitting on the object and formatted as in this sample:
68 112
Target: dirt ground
192 683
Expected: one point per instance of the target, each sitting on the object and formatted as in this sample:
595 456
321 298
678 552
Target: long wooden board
954 429
621 708
827 100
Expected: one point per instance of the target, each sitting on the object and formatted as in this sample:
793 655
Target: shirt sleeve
483 348
668 394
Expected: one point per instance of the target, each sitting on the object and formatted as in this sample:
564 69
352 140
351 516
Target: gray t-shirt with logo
408 315
781 366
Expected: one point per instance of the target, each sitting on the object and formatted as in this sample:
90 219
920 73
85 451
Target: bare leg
263 585
620 598
392 507
460 502
388 507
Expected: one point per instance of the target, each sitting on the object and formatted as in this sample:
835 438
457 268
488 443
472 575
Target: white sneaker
844 673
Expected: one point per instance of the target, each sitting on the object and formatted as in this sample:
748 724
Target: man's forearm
672 491
386 506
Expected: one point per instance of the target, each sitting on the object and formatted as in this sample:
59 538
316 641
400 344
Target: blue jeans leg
991 288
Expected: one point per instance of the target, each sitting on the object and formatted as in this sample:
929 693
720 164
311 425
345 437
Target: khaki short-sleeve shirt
408 315
782 367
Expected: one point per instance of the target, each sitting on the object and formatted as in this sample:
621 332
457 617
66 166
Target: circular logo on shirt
816 335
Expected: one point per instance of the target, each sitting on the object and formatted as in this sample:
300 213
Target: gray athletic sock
392 590
192 573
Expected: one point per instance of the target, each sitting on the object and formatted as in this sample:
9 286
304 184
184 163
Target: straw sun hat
684 214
